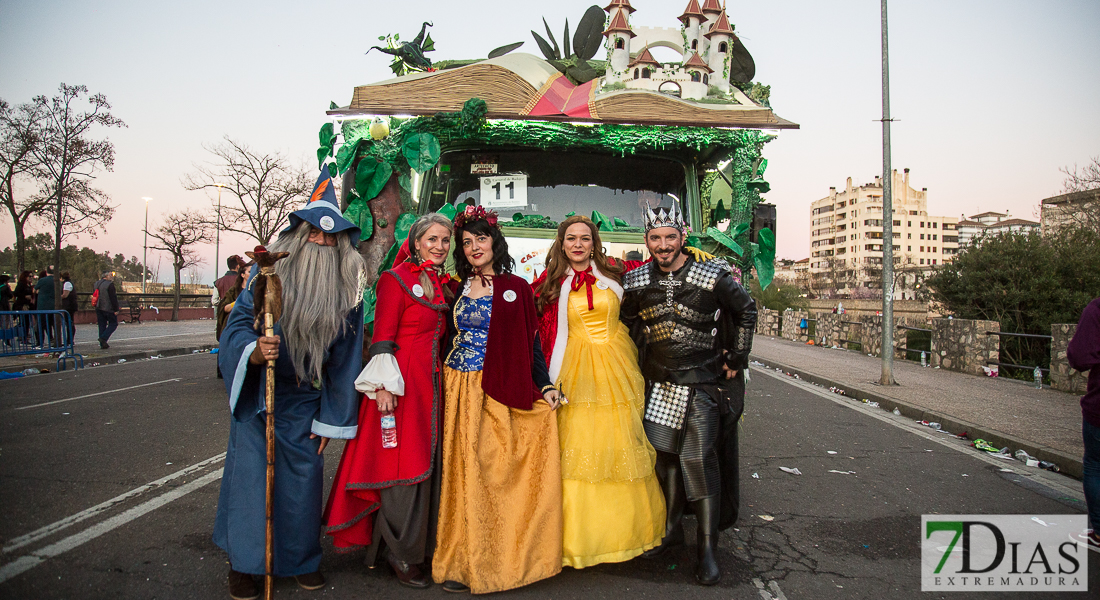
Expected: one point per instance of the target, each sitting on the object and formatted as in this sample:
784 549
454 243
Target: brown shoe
242 586
455 587
310 581
408 575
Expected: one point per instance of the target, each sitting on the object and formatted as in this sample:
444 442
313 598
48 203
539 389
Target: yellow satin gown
612 505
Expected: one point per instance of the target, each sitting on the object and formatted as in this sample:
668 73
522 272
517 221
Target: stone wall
870 333
768 322
791 321
1062 376
828 328
958 344
902 308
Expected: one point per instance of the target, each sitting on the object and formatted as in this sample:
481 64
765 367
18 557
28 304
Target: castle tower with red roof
618 35
693 19
711 9
720 38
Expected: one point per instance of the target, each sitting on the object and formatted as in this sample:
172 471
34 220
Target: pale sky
991 97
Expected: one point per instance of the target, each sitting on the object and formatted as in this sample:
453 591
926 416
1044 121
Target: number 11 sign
504 191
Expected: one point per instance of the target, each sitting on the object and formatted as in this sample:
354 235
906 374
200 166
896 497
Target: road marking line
52 528
775 594
29 561
148 337
1045 478
133 387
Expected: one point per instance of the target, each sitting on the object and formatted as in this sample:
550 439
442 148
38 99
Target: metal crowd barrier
39 332
1037 371
924 353
849 343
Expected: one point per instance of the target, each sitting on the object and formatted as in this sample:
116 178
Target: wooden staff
268 306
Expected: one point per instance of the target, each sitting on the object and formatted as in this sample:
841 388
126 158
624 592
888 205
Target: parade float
539 138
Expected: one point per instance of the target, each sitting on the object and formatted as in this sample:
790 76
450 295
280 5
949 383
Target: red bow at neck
425 265
434 276
486 280
585 278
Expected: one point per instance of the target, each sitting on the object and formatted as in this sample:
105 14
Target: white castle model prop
705 42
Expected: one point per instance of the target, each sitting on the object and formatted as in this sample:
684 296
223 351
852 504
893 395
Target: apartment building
992 223
1075 208
846 243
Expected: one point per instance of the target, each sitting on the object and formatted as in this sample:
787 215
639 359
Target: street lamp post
218 232
887 376
145 250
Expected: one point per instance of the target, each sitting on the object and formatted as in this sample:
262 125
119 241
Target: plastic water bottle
389 431
923 359
1038 374
31 371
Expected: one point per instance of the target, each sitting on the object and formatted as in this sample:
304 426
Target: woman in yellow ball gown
612 506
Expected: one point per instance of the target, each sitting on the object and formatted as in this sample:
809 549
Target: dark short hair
232 262
502 261
4 278
65 276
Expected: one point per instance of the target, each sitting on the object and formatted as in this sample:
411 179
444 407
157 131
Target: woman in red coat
384 494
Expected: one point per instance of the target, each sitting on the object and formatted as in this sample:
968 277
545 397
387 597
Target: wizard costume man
317 350
693 325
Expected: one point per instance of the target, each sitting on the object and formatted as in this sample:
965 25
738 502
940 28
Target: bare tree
1081 205
68 159
262 189
193 275
1082 179
19 135
177 234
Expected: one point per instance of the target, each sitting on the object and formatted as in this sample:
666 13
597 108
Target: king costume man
317 350
693 325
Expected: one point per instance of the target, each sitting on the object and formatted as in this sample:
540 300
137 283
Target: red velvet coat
417 326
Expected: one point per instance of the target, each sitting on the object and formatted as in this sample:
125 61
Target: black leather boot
707 512
672 486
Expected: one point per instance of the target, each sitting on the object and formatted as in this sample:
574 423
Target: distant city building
992 223
1081 208
846 237
790 270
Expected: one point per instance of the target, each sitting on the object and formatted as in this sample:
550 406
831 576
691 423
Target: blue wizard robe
300 409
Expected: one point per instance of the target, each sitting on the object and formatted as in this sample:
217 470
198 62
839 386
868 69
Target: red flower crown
476 213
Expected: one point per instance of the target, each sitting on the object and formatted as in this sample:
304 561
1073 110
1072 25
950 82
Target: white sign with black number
504 191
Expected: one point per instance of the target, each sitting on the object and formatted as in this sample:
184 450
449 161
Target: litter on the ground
1003 470
793 471
768 518
830 451
756 475
1026 458
842 472
983 445
897 412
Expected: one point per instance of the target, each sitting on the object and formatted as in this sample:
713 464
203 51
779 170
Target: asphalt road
109 480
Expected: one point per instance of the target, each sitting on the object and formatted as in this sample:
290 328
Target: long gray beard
321 285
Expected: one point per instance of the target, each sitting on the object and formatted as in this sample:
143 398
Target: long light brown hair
417 231
558 265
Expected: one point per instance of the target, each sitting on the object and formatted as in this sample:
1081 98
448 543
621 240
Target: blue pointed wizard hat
322 211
